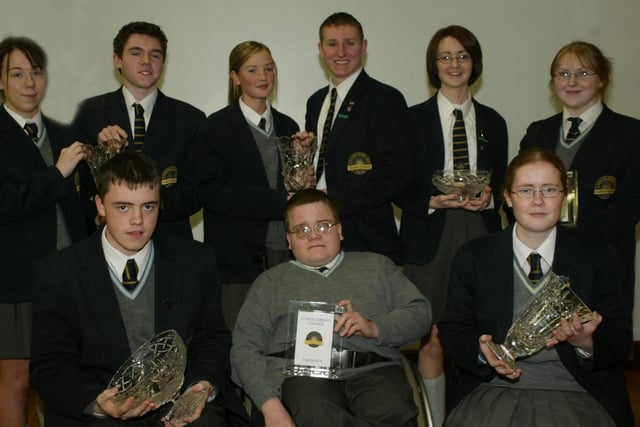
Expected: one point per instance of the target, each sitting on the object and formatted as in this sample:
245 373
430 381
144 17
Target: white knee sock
435 392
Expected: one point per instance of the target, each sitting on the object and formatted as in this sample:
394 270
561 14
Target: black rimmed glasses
580 75
548 192
447 58
303 231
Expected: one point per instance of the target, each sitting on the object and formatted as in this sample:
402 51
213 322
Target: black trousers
381 397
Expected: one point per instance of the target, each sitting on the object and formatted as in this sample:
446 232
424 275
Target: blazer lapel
15 136
433 133
349 107
598 136
96 281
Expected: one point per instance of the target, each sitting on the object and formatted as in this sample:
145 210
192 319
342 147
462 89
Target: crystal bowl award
297 156
154 372
101 153
535 325
463 182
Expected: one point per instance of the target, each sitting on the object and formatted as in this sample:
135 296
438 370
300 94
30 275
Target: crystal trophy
569 214
535 325
463 182
297 156
155 372
102 152
314 349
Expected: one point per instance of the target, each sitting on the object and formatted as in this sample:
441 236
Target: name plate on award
312 342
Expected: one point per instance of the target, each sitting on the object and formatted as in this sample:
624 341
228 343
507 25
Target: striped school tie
130 275
536 268
138 127
460 148
325 134
32 130
574 130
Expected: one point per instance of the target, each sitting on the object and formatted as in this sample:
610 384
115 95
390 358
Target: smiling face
314 250
456 74
141 64
576 95
23 85
536 217
256 77
131 215
342 48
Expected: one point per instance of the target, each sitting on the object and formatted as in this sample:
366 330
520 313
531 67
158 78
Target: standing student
163 128
40 210
452 131
600 144
578 378
363 159
239 176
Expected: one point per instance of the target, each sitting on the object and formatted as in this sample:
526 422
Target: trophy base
501 352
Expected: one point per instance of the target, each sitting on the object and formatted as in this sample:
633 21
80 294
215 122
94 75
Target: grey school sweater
377 289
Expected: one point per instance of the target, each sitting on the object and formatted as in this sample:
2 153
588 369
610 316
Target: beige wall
519 39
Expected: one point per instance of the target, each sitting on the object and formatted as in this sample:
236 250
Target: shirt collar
446 107
330 265
345 86
588 117
147 102
546 250
253 117
117 260
37 119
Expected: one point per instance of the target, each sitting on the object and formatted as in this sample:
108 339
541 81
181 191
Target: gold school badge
169 176
359 163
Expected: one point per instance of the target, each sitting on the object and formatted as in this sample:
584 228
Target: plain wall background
519 39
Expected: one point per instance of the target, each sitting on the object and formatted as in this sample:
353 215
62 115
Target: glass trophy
102 152
297 162
155 372
569 214
314 350
534 326
463 182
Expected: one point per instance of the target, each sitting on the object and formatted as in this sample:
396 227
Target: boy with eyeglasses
383 310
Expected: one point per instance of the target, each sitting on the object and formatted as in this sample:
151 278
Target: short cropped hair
308 196
590 56
131 168
139 27
467 39
340 19
32 50
237 58
532 155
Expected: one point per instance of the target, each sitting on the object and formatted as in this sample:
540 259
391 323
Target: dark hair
32 50
132 168
308 196
139 27
590 57
533 155
466 39
238 56
340 19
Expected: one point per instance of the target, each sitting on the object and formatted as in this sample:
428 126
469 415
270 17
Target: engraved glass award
569 214
463 182
297 162
534 326
155 372
313 350
102 152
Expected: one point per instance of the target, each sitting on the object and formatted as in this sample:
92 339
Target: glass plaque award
314 349
534 326
569 214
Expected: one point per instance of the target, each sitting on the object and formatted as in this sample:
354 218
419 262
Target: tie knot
575 121
323 269
262 124
139 109
130 274
458 113
574 130
32 131
334 94
535 274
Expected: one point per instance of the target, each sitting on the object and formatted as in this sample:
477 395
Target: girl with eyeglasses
599 146
433 224
577 379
